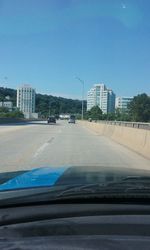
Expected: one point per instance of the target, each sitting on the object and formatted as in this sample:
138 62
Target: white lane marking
41 149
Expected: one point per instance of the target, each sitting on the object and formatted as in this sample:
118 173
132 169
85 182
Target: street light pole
49 108
82 96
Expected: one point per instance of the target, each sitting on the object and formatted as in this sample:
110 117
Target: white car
71 120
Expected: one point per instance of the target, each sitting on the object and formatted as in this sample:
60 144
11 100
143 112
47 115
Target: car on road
72 119
51 119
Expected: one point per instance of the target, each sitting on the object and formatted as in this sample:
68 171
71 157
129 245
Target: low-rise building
122 102
7 104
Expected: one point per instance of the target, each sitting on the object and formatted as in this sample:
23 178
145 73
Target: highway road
39 144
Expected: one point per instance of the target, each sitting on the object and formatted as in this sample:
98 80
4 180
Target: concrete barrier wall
11 120
133 138
17 120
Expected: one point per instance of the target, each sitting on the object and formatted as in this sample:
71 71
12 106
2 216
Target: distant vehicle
64 117
71 119
51 119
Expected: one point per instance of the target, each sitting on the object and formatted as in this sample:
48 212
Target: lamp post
82 82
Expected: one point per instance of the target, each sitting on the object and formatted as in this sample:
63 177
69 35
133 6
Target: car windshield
74 97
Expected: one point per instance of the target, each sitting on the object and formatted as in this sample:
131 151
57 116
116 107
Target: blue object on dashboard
39 177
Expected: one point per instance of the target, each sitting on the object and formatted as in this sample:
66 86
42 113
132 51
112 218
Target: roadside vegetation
47 104
52 105
138 111
5 113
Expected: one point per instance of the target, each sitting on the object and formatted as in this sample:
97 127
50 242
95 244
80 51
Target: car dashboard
75 226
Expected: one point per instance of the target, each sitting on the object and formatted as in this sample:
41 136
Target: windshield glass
75 95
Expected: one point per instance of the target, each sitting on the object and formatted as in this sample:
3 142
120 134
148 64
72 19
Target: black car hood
75 175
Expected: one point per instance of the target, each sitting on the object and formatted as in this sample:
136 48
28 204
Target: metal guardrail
139 125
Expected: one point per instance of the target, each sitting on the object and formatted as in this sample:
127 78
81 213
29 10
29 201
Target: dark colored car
51 119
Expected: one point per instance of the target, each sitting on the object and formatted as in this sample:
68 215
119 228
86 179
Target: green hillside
47 104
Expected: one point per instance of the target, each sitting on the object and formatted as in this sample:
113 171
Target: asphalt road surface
39 145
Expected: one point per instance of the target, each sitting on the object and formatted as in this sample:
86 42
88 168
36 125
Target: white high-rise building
102 97
26 101
122 102
91 98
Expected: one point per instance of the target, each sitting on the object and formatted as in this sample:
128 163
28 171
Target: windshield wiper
109 188
128 186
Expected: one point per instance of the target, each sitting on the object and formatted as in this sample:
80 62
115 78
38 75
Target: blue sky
46 43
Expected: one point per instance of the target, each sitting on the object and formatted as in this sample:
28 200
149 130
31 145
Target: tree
15 114
4 110
121 115
110 116
95 113
139 108
12 93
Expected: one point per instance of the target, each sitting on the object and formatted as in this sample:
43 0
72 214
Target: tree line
52 105
45 104
138 111
4 111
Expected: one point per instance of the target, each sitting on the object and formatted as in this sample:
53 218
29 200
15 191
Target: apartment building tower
26 101
102 97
